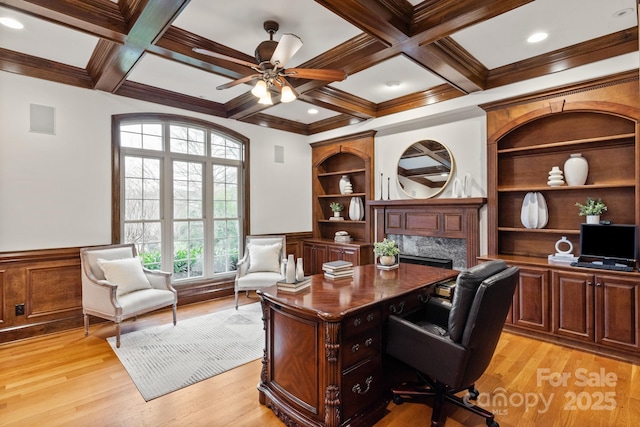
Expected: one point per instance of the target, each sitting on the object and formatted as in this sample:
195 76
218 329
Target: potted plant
592 209
336 208
387 251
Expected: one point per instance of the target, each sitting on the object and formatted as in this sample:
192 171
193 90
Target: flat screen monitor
609 243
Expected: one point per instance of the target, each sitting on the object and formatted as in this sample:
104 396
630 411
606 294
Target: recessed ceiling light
11 23
393 84
312 111
622 12
537 37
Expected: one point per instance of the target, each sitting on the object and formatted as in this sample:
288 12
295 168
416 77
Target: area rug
166 358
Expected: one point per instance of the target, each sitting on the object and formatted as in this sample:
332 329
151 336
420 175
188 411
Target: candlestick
388 186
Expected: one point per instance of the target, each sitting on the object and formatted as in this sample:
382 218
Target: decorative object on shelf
534 210
466 185
592 209
345 185
386 251
388 188
556 178
290 270
342 237
299 270
356 209
457 188
381 181
576 169
336 208
563 257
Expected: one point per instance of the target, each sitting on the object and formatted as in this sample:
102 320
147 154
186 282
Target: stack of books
297 286
337 269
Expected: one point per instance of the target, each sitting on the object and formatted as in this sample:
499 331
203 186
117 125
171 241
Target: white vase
345 185
534 213
593 219
356 209
290 271
576 169
299 270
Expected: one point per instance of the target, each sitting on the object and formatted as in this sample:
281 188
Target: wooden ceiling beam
150 20
100 18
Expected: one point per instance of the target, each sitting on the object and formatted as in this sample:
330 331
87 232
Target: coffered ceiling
399 54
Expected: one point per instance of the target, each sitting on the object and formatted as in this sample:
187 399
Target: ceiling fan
272 57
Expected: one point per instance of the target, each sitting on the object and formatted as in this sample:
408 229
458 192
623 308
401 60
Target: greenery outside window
180 194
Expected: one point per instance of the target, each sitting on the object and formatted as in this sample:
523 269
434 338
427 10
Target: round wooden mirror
425 169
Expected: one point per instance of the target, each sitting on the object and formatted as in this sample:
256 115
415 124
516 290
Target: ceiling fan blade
239 81
313 74
225 57
288 45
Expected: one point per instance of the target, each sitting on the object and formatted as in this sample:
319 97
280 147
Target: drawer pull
395 310
424 298
356 388
371 317
368 342
357 321
355 348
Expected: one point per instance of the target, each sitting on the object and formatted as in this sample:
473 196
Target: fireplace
434 228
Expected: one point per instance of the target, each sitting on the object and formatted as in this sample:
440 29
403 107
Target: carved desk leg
332 394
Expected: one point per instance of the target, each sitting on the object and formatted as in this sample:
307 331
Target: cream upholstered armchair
116 287
262 264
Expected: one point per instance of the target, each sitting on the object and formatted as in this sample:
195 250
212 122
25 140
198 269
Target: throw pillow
126 273
264 257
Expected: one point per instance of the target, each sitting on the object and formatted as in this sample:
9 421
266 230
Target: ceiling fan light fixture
266 99
287 94
260 89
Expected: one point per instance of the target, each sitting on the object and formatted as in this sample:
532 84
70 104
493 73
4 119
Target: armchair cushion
264 257
126 274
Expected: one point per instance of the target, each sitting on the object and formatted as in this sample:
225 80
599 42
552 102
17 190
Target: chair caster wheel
493 423
398 400
473 393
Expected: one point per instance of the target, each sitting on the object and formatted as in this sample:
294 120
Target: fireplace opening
432 262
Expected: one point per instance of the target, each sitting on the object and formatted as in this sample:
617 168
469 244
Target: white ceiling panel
299 111
169 75
43 40
390 79
502 40
238 24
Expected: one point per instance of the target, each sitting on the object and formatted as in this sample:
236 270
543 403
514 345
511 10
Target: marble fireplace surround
449 223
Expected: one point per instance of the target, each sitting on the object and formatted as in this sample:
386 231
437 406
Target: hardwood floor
67 379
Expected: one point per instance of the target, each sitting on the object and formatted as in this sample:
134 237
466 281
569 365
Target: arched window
179 193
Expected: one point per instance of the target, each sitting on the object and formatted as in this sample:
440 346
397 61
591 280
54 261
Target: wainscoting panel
53 289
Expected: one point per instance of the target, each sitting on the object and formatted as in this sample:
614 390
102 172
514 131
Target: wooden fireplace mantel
448 218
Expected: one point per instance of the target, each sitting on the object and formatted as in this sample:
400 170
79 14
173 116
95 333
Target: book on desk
296 286
337 269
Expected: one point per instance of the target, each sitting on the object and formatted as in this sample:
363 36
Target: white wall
55 190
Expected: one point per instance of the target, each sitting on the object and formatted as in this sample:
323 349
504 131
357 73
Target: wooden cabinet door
314 256
342 253
617 320
573 305
531 300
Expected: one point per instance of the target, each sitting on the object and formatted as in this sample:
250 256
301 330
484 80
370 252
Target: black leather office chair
451 344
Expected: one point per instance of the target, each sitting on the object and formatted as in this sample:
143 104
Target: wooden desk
323 363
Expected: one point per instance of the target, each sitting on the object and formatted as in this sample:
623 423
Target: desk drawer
361 387
360 323
359 348
407 303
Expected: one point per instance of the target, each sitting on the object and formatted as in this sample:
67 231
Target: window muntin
182 205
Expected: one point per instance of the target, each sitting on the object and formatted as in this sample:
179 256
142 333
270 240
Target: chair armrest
159 279
99 295
242 266
437 357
